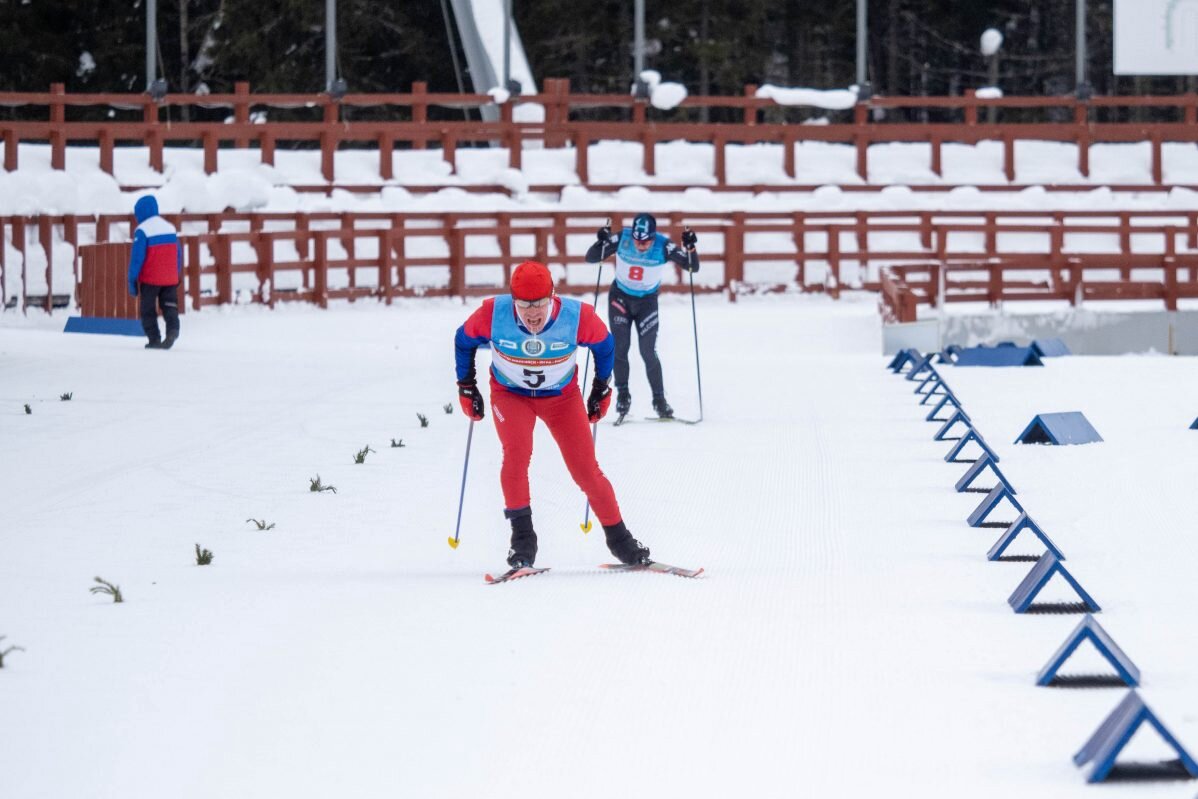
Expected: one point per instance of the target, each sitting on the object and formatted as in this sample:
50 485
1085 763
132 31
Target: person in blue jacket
156 272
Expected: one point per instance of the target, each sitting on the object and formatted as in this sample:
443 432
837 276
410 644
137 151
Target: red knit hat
531 281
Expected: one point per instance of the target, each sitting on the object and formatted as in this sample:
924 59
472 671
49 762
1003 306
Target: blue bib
640 273
543 363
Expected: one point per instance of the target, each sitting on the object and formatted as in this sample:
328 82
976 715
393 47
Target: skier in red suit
534 336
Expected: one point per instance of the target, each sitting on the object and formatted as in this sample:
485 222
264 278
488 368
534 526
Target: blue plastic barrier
1041 573
110 327
1106 646
940 389
975 470
998 356
949 399
1024 522
898 361
958 417
1050 347
933 378
1194 426
974 436
1113 734
919 367
1059 428
948 354
987 505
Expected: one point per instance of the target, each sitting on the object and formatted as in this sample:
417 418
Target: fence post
734 252
241 110
751 110
457 258
1157 167
1008 156
971 106
937 164
58 118
153 137
328 138
10 150
209 139
194 269
449 151
860 140
721 172
582 143
788 152
385 144
648 148
419 111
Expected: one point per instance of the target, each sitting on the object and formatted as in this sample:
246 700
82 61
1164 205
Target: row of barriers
405 124
913 258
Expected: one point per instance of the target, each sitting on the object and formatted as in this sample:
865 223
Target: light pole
332 84
863 88
990 44
1084 92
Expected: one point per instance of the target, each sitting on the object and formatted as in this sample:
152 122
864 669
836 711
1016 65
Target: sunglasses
541 303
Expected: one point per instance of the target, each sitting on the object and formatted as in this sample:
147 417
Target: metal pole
330 43
151 43
1081 44
507 42
638 40
861 43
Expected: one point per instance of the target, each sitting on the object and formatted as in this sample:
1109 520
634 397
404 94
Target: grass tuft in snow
396 443
28 410
66 397
423 419
318 487
360 455
4 652
105 587
203 556
262 525
448 408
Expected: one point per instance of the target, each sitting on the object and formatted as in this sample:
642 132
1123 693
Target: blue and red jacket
476 332
157 258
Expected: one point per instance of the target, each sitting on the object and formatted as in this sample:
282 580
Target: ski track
847 614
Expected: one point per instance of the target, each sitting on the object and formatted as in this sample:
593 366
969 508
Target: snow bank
834 99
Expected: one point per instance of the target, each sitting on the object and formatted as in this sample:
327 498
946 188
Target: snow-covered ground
848 639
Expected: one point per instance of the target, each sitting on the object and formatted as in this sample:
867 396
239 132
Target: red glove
599 399
470 398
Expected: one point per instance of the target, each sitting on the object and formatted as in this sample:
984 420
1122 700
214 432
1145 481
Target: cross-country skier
642 255
534 335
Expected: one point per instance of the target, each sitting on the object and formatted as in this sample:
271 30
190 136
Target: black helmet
644 227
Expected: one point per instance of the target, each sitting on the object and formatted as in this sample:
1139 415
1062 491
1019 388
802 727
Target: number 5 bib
533 364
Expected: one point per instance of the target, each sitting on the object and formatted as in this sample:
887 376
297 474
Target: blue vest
534 365
640 273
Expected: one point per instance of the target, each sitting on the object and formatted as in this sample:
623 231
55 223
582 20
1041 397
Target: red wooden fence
559 130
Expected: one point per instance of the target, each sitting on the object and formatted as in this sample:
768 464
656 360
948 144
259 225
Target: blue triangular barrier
111 327
1041 573
1024 522
1106 646
1059 428
976 468
919 367
901 358
1050 347
987 505
1194 426
958 416
949 354
933 378
939 389
949 399
1113 734
998 356
970 435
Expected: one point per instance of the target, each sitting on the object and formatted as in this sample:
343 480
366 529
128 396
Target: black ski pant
624 311
153 297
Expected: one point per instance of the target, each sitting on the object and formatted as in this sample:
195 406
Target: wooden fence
410 126
912 257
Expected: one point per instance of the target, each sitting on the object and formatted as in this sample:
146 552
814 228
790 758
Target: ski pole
586 522
453 542
695 327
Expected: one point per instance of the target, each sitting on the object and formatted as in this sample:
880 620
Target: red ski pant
565 415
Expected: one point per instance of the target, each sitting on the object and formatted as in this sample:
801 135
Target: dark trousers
624 311
153 297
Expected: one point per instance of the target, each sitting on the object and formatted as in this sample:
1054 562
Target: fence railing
321 257
558 129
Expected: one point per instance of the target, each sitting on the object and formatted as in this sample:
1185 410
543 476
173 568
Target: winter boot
623 401
524 538
664 411
154 344
626 548
171 338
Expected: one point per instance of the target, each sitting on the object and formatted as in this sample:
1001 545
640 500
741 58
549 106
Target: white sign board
1156 37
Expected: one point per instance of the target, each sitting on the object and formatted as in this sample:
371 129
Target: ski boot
623 402
626 548
664 411
524 538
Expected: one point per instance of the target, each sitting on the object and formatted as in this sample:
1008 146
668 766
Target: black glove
689 239
599 399
470 399
604 235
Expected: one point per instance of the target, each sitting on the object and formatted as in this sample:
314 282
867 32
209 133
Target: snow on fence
913 258
410 127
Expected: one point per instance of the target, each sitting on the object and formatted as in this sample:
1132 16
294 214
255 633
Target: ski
652 566
670 419
514 574
620 420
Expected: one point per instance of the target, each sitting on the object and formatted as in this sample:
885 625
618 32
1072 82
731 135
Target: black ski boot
623 401
664 411
626 548
524 538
